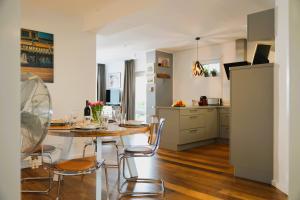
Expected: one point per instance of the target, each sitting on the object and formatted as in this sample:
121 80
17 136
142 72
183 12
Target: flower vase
97 112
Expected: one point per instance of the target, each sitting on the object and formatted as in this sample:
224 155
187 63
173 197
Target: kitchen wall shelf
161 75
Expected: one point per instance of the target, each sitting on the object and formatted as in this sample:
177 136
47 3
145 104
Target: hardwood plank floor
203 173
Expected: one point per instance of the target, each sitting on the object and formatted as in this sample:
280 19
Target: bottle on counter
87 111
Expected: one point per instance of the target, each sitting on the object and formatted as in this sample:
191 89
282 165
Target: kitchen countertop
191 107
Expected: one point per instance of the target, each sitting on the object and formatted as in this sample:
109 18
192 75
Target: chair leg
49 178
83 156
49 172
119 175
58 187
106 183
137 180
84 149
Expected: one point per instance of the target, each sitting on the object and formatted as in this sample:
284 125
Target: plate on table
57 122
133 124
88 126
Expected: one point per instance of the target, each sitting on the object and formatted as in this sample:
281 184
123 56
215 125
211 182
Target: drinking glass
105 120
123 118
74 117
117 115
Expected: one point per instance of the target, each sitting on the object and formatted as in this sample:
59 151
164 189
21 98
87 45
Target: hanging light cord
197 51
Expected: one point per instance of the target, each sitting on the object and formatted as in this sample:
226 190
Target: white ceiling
71 7
172 25
127 27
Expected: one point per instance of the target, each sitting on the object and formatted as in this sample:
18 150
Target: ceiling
172 25
127 27
71 7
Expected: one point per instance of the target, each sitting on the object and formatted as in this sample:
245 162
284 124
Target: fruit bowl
179 103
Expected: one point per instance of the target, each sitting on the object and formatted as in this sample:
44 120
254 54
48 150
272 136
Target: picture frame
37 54
114 80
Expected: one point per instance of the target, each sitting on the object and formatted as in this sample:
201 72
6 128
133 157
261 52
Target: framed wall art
37 54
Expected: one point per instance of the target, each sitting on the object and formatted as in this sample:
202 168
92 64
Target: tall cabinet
159 81
251 134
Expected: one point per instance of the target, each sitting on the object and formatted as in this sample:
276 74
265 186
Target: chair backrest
158 133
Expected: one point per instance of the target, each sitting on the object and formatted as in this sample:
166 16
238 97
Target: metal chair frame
112 142
125 155
49 177
62 173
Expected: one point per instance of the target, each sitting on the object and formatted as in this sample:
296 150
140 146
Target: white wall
281 98
187 87
10 100
74 64
118 65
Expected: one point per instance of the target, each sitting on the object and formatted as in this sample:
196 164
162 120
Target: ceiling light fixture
197 69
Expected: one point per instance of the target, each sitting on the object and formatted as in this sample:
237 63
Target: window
212 69
140 96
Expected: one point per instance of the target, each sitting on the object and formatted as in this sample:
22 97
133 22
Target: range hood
240 56
241 50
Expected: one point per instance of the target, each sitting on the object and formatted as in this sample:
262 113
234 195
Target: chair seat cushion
46 149
139 149
74 165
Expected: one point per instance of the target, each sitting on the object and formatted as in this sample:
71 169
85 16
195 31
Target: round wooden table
113 130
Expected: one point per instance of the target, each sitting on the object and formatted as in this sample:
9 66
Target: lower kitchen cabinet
211 123
224 123
189 127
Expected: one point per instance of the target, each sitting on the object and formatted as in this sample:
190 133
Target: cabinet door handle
193 131
195 110
193 117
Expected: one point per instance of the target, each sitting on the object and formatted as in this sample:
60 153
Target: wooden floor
202 173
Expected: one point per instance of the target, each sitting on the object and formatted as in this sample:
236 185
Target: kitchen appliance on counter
203 101
214 101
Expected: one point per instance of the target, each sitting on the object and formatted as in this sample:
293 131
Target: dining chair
105 141
77 167
43 151
153 128
140 151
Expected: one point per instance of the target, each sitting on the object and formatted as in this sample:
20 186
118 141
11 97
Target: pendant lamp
197 69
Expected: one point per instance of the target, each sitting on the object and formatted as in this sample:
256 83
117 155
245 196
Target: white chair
135 152
77 167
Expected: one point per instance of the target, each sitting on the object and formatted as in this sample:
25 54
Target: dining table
113 130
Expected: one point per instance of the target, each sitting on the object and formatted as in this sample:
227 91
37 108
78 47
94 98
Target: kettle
203 101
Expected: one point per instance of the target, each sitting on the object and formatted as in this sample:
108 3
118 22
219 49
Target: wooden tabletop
113 130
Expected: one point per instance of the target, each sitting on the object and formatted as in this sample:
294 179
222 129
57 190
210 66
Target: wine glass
104 121
74 117
116 115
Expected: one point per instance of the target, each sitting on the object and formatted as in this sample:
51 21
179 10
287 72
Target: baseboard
279 187
274 183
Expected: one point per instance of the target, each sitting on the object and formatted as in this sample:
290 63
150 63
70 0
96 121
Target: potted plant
213 72
206 73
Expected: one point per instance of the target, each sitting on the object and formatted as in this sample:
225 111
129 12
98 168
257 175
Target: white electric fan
36 112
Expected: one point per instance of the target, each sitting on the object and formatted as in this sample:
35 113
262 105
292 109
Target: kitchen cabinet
224 117
211 115
189 127
252 122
